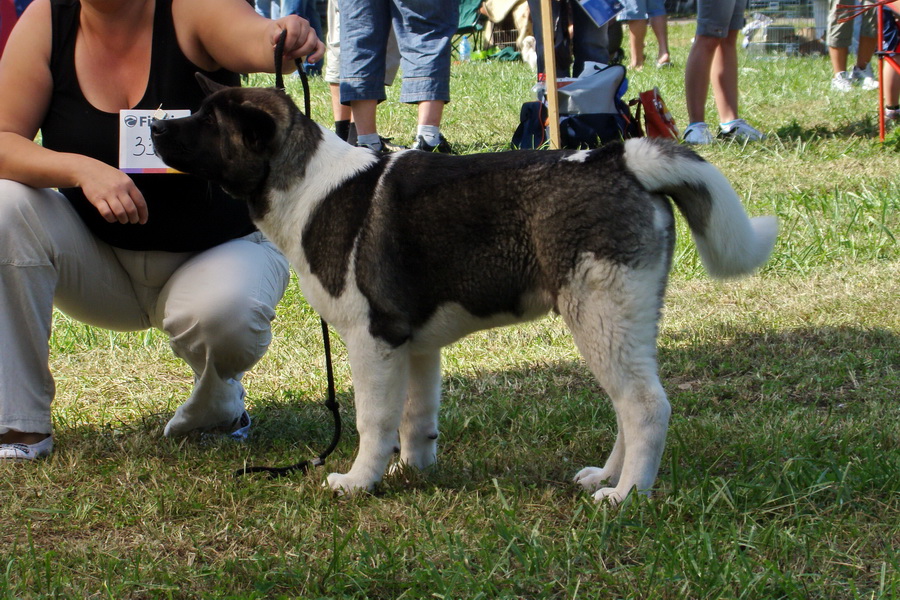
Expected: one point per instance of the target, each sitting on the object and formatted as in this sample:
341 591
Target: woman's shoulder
25 67
32 31
36 10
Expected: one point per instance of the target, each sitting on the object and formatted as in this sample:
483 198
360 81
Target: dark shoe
443 146
385 147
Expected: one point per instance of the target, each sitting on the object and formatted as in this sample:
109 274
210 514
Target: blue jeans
589 42
423 29
306 9
640 10
264 7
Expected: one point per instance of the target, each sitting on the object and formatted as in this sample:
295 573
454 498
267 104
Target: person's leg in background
634 16
659 23
343 124
424 31
839 40
891 41
365 25
712 60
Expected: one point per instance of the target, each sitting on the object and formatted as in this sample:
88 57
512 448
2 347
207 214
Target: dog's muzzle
158 127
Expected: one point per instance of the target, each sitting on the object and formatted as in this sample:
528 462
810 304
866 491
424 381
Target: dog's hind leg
613 312
419 428
380 377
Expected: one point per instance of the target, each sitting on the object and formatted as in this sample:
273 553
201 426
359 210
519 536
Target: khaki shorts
840 35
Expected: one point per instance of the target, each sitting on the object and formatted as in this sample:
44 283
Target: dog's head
233 139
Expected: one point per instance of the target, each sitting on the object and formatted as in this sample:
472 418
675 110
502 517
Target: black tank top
186 213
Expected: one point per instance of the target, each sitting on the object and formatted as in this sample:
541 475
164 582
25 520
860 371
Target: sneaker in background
443 146
892 117
739 129
865 77
384 146
841 82
697 133
24 452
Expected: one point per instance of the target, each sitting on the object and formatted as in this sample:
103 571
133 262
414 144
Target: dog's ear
258 127
208 86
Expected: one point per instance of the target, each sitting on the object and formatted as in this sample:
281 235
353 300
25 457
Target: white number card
136 154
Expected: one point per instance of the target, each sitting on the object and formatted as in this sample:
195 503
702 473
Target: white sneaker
892 116
698 133
26 451
841 82
739 129
865 77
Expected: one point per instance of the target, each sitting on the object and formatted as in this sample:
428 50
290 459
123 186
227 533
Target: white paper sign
136 154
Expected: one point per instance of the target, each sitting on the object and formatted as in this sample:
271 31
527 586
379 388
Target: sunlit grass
780 474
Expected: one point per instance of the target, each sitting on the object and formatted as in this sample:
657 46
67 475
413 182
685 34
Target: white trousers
216 306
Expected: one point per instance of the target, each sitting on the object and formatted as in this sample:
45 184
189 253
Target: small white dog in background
529 52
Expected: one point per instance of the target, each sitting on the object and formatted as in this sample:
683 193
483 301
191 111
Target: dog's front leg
380 376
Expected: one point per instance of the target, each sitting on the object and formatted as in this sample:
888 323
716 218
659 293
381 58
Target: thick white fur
612 311
614 327
732 245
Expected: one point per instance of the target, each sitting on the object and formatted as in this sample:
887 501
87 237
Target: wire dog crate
787 27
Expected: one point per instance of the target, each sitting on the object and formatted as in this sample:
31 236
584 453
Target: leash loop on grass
331 403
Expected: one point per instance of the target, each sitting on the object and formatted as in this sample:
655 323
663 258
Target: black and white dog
406 253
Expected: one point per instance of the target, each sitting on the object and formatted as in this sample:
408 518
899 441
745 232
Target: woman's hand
112 193
301 40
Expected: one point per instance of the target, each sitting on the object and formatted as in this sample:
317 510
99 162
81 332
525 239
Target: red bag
658 121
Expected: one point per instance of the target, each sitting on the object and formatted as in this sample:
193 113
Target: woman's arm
230 34
27 84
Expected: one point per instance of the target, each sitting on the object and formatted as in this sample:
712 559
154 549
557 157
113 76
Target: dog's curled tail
729 242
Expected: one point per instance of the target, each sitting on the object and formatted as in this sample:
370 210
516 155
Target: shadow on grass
539 421
867 127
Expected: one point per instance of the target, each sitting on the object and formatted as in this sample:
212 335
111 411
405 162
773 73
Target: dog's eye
208 119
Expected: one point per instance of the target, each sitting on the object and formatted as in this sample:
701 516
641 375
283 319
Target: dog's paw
609 495
180 424
420 458
407 471
591 478
345 485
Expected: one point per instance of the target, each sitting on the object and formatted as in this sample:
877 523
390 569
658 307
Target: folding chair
891 56
471 23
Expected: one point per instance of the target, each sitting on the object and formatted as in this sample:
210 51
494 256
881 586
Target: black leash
279 78
331 403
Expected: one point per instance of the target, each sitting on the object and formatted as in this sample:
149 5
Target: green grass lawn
781 477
